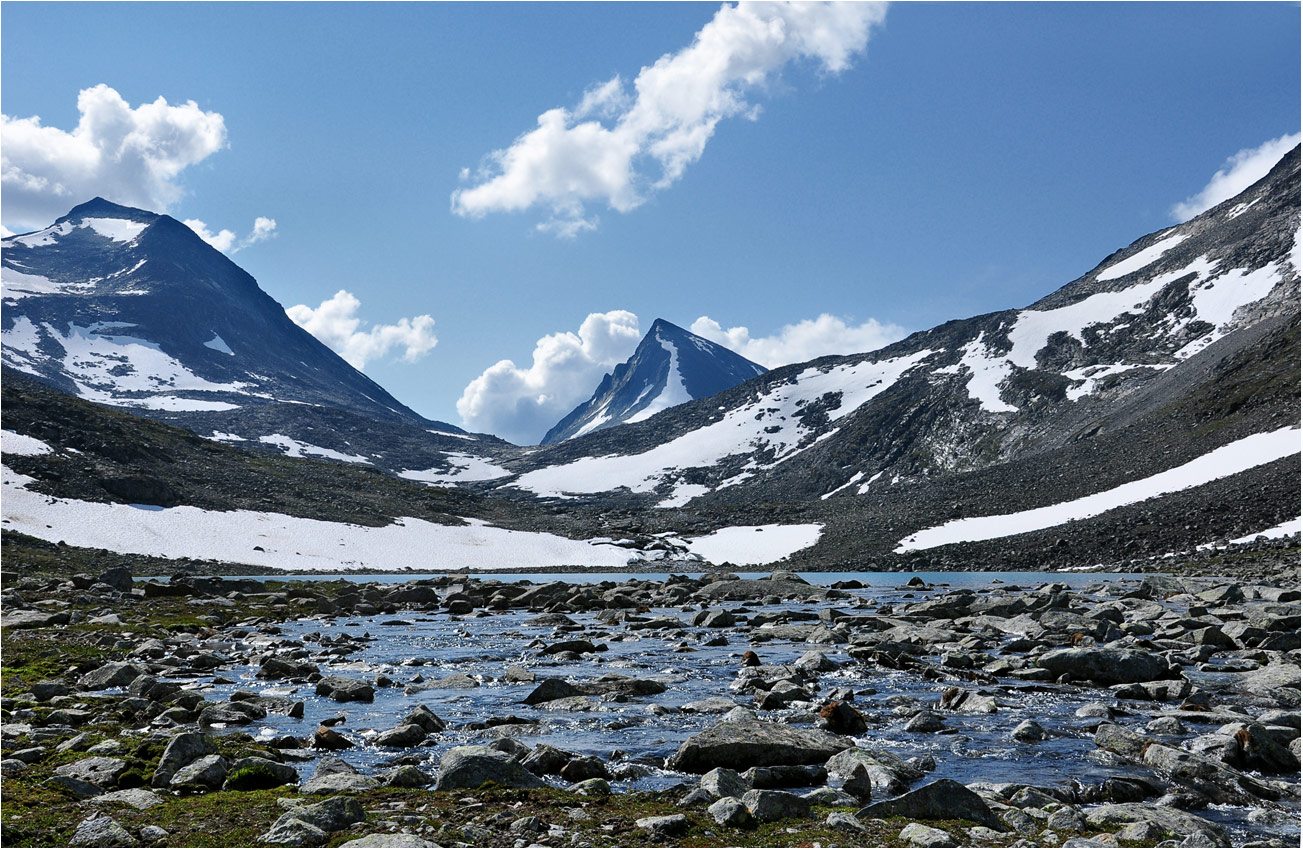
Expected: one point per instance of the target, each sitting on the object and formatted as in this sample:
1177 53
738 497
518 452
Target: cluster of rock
1229 739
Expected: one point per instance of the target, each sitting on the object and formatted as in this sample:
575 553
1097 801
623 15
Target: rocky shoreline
1189 693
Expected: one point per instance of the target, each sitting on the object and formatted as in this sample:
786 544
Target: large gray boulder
97 770
206 772
336 776
342 689
753 743
115 674
471 767
101 831
309 826
1107 665
943 799
882 772
767 806
1167 821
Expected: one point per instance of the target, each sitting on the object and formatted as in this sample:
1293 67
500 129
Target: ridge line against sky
919 142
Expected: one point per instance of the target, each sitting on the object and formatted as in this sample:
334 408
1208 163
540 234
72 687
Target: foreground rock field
695 711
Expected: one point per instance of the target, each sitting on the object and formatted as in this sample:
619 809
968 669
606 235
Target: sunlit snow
13 443
674 393
295 448
219 344
755 544
1228 460
1142 258
464 467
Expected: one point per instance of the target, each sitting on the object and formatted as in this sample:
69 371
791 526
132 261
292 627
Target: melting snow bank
748 545
1229 460
1288 528
461 467
284 542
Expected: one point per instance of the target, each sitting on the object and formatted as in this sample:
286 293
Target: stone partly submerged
753 743
471 767
1107 665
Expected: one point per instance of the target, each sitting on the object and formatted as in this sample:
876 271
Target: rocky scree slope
125 307
669 367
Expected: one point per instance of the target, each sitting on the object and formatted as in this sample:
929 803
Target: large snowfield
282 542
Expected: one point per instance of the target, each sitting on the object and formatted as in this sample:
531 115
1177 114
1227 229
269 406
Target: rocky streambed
1147 711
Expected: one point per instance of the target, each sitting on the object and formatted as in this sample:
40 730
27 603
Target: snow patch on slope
294 448
464 467
1142 258
13 443
1226 461
285 542
755 544
771 422
675 391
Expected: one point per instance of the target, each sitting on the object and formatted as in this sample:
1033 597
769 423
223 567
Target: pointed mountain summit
126 307
669 367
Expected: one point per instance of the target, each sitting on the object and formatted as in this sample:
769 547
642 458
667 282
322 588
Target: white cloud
225 241
521 404
1238 173
805 340
222 240
128 155
336 324
654 132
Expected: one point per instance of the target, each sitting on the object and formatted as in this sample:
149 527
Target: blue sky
969 158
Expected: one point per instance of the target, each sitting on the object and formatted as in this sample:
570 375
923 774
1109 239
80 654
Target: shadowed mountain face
129 308
670 366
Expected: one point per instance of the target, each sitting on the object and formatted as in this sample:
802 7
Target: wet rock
592 788
585 767
551 689
406 735
918 835
939 800
730 811
1120 740
471 767
180 751
280 668
744 744
1165 821
1216 781
885 772
426 719
841 718
722 782
326 738
1106 665
767 806
925 722
101 831
710 705
546 760
1029 732
342 689
785 776
964 701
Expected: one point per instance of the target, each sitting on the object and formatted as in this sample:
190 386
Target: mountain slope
125 307
1093 374
669 367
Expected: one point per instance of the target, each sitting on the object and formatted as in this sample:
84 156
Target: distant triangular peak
670 366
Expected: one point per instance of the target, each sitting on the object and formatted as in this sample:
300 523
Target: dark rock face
471 767
740 745
1106 665
669 367
942 799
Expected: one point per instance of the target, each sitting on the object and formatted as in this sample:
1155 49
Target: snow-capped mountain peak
670 366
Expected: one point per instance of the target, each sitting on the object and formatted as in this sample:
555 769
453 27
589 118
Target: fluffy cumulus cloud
1238 173
805 340
623 142
226 241
336 324
522 403
129 155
